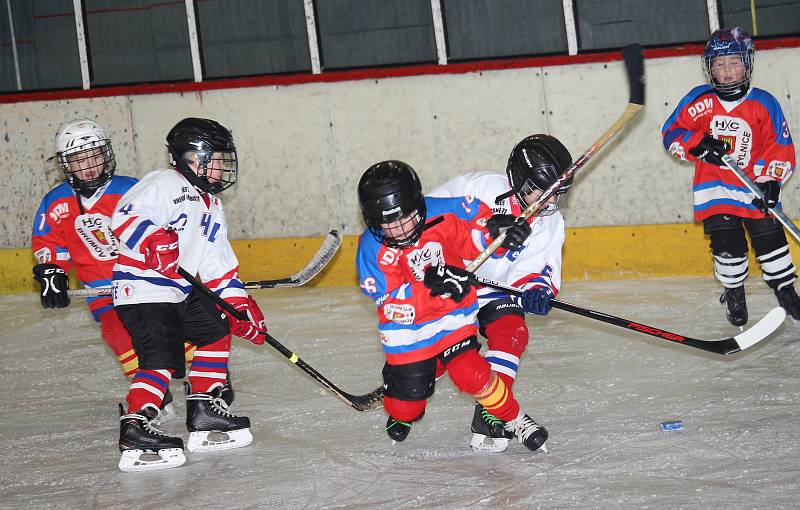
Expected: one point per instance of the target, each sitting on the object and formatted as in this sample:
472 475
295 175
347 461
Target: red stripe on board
372 73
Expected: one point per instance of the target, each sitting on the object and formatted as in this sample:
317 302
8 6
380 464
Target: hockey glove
55 283
771 191
448 280
537 300
710 150
252 327
160 251
517 230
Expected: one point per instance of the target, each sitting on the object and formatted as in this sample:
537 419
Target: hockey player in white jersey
533 263
172 219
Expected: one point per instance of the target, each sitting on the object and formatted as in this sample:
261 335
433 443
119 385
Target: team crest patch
401 314
123 291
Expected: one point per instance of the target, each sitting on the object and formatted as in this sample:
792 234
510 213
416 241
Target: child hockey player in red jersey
411 263
172 218
73 229
730 116
534 264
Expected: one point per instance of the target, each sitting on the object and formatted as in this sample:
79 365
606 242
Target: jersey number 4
209 229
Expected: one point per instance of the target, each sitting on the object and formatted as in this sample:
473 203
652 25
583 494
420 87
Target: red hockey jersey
760 144
66 236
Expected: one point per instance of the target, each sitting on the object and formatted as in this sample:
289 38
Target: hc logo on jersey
428 255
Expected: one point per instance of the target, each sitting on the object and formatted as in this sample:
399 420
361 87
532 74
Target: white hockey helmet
85 154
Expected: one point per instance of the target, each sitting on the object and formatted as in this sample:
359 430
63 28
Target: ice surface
601 391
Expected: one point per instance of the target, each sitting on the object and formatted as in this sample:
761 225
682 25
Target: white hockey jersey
538 262
165 198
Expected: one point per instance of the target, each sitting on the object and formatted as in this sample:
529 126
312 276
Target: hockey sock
507 339
148 387
209 367
119 340
471 374
404 410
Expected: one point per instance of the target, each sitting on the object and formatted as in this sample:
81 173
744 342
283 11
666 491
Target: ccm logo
451 350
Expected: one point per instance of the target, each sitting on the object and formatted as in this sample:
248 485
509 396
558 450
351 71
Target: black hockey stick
324 254
755 190
634 68
368 402
317 263
761 330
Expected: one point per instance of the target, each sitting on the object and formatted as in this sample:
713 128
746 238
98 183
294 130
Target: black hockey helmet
389 192
536 163
208 145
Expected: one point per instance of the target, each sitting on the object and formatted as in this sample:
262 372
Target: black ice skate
488 432
788 299
144 447
529 433
212 426
397 430
735 305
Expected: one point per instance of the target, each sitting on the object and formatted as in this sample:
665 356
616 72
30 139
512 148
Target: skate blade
481 443
543 449
166 415
135 461
213 440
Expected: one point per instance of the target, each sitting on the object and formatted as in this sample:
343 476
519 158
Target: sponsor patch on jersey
677 151
59 212
401 314
95 232
122 292
700 108
779 169
43 255
420 259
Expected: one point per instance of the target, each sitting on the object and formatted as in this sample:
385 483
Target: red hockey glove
160 251
251 328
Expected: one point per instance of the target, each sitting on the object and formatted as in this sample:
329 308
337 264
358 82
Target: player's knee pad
495 310
404 410
727 235
764 227
414 381
469 371
509 334
772 252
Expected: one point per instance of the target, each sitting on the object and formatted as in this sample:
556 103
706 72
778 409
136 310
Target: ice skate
735 305
212 426
397 430
488 432
788 299
143 447
529 433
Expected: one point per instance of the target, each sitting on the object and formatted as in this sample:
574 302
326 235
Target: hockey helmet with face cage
85 155
536 163
730 41
203 151
390 193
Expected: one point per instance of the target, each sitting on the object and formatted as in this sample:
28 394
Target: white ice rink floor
599 389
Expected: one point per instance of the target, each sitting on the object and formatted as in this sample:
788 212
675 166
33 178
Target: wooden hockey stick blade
634 68
367 402
324 254
778 214
761 330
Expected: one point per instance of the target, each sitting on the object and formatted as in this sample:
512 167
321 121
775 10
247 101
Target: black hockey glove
710 150
516 229
448 280
54 282
771 191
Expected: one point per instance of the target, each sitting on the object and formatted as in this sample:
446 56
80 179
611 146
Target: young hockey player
534 264
173 219
730 116
410 262
72 228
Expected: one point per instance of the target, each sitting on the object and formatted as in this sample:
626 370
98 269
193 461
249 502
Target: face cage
529 187
82 156
410 235
729 88
216 171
